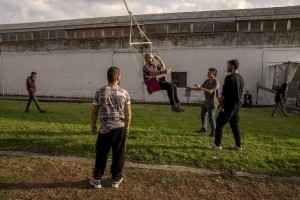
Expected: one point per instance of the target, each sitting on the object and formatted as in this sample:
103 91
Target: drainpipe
2 77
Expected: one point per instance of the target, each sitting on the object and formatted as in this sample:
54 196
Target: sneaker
212 134
115 184
214 147
202 130
180 108
42 111
26 111
95 183
176 109
234 147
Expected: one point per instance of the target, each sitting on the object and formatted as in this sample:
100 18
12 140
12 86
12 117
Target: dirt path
175 168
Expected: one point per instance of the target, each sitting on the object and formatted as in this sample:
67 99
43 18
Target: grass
53 179
158 136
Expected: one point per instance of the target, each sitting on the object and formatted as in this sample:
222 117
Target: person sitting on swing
152 70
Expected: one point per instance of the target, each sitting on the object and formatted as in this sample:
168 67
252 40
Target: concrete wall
79 73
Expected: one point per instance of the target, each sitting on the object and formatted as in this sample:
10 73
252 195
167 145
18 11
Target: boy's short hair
112 74
212 69
235 63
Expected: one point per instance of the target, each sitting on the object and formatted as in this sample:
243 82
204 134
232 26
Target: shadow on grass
70 147
83 184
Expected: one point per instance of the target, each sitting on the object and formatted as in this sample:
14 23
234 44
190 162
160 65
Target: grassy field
158 136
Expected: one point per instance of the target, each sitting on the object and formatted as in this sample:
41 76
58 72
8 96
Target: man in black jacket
231 99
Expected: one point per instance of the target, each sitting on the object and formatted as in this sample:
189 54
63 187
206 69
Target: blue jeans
211 118
33 98
277 105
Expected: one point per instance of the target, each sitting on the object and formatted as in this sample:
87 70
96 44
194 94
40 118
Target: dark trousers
233 116
115 139
171 90
34 99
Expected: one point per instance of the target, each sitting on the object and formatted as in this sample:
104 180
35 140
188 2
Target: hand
221 99
157 57
198 86
167 71
126 131
94 129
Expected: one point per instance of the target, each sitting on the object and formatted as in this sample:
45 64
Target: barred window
179 79
174 28
202 27
281 25
255 26
268 25
243 26
295 24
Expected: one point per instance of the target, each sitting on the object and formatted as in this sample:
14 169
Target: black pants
233 116
115 139
172 91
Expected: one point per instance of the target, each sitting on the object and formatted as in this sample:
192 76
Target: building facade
71 56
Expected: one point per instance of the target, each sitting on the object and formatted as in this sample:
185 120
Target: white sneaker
95 183
115 184
214 147
234 147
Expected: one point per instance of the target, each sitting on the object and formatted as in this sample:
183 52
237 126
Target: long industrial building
71 57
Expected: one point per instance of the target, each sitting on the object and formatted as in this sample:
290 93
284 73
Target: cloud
16 11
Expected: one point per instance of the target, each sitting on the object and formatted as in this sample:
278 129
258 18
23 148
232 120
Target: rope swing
151 84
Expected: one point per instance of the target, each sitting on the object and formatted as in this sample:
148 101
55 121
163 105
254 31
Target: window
174 28
79 33
281 25
202 27
268 25
28 36
36 35
52 35
97 32
60 33
179 79
20 36
162 28
185 28
126 31
5 37
12 37
230 26
71 34
295 24
151 29
118 32
255 26
44 35
88 33
219 26
243 26
108 32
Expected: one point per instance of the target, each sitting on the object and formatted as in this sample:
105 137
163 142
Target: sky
22 11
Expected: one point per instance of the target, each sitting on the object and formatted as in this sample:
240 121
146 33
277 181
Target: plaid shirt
111 101
150 68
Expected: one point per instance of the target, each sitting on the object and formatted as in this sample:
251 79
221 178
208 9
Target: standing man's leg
119 148
103 145
203 119
212 120
234 124
29 102
222 119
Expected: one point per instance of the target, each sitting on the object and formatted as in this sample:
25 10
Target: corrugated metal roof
184 16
